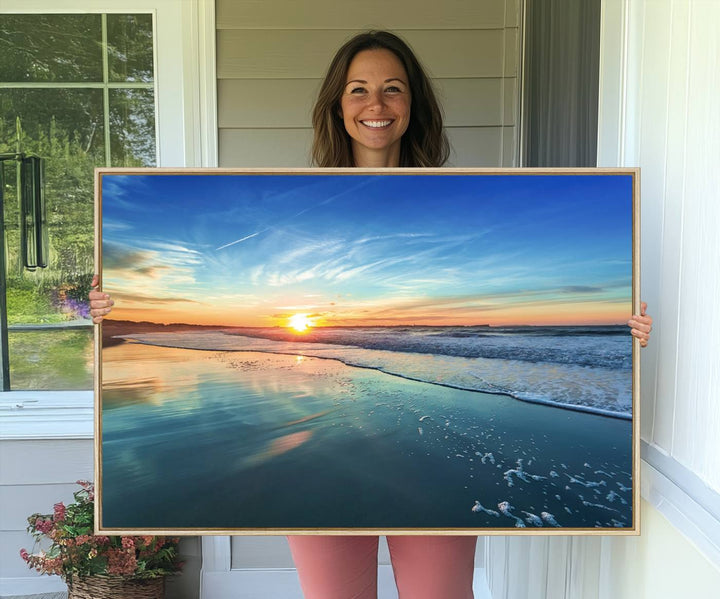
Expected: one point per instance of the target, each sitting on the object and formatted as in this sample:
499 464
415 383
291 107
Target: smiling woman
375 107
368 88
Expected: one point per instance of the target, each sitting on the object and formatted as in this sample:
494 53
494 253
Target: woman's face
375 107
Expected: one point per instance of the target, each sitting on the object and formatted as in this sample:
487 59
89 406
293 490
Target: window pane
51 118
130 47
55 360
132 127
50 48
65 127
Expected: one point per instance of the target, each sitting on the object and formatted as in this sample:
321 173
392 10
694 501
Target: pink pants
425 567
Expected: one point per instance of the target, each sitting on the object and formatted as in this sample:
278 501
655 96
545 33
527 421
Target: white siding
659 564
672 131
330 14
271 60
35 475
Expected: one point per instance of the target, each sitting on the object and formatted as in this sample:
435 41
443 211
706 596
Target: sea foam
513 366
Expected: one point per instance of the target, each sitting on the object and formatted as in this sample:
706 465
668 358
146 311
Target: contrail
284 220
239 240
268 228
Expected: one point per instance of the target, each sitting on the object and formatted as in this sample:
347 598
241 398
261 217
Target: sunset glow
300 322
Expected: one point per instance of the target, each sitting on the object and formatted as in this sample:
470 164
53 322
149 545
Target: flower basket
116 587
98 566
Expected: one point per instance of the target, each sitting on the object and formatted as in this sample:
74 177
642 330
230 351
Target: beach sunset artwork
366 351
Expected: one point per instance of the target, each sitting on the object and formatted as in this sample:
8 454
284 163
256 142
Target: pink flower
59 509
121 562
44 526
24 555
53 565
82 539
128 543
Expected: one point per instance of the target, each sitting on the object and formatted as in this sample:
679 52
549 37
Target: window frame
184 33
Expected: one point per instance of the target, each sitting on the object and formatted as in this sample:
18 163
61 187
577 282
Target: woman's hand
100 303
641 325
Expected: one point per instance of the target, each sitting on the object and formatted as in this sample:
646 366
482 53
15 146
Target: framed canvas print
404 351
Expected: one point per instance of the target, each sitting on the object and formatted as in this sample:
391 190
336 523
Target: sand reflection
274 389
279 446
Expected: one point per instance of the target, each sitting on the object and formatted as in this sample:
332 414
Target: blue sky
368 249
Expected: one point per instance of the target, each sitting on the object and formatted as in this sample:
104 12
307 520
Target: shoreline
541 402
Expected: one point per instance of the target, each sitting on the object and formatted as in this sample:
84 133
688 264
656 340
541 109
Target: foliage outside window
78 91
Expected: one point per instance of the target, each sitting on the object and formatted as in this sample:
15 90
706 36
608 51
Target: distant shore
111 328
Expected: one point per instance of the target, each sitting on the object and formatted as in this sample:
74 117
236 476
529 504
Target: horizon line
365 326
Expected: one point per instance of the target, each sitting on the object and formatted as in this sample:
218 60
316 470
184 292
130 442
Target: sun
300 322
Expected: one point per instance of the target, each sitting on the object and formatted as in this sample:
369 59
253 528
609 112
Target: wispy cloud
357 185
575 289
376 260
122 191
130 298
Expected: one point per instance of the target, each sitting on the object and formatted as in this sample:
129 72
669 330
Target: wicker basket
116 587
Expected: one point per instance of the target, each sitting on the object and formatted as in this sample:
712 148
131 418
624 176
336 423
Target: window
186 126
78 90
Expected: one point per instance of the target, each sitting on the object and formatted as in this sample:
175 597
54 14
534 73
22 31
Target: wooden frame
358 351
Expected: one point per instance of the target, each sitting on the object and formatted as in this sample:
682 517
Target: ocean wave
599 390
604 346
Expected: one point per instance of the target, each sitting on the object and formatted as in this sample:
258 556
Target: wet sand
208 439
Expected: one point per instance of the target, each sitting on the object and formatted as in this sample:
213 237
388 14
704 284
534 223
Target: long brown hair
423 144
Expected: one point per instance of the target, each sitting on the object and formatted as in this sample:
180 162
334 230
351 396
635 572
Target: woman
345 132
376 108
